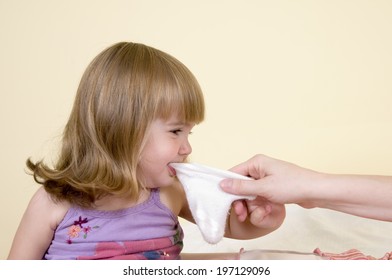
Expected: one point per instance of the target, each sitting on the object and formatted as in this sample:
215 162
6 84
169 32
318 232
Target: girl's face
167 142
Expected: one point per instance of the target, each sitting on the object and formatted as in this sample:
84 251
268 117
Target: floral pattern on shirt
79 228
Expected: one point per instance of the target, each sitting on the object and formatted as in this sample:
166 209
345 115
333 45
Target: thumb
240 187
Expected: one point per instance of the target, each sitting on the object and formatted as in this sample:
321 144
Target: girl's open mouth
172 171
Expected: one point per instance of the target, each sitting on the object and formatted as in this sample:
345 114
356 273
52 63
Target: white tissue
208 203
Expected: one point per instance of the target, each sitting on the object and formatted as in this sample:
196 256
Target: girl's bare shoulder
43 204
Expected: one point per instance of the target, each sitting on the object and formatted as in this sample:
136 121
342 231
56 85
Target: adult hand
275 180
281 182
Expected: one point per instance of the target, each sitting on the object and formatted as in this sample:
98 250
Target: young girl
112 193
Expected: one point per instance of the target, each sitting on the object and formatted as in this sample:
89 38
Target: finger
242 187
242 168
253 167
240 210
258 215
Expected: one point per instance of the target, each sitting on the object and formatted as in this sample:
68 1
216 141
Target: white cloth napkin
208 203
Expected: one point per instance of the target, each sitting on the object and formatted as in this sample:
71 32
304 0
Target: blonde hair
122 91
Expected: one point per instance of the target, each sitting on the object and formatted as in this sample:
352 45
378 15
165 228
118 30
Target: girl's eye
176 131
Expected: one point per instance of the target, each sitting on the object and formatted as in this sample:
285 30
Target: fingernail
226 183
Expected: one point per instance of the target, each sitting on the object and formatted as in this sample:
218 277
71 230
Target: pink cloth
352 254
159 248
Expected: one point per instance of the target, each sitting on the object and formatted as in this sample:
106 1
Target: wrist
313 189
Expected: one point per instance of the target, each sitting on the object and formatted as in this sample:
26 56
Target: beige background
304 81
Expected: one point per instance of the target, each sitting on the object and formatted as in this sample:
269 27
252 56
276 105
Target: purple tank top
147 231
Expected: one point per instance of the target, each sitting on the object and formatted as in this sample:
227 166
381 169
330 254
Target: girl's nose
185 148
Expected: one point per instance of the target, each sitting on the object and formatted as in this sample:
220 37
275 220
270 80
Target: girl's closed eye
176 131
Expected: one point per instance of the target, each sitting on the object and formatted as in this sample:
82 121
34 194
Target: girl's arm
36 229
265 215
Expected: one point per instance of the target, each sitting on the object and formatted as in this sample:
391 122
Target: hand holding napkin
208 203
